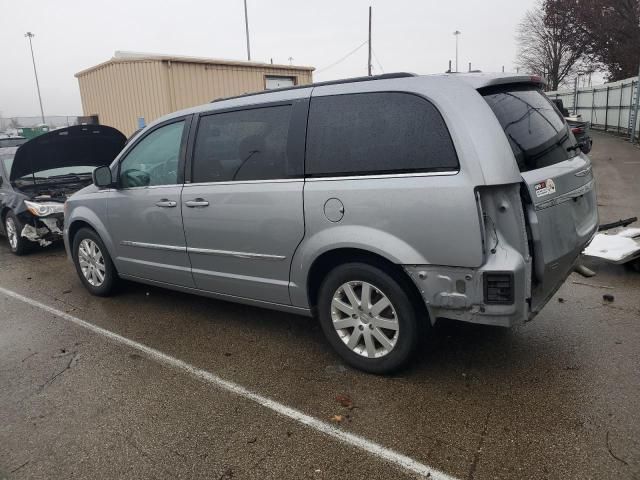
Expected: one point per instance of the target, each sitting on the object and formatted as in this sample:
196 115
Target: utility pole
636 107
30 35
246 27
457 34
575 94
369 62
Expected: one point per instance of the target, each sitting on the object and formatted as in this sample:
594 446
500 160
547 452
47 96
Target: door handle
166 203
197 203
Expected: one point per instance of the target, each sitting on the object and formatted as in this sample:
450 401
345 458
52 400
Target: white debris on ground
620 247
35 234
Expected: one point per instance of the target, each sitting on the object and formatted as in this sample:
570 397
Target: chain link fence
53 121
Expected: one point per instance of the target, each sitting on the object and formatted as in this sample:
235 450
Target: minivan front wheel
93 263
368 317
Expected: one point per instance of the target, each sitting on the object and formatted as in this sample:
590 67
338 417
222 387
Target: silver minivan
378 204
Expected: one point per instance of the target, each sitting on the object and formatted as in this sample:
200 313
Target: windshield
536 130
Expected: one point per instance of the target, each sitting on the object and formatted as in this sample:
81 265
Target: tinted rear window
371 133
536 130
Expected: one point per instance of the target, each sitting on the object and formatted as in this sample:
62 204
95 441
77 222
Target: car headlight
42 209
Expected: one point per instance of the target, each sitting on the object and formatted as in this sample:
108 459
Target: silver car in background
378 204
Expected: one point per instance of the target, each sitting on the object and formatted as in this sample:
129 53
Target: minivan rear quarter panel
429 218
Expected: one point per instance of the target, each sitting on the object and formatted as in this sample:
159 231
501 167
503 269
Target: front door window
154 160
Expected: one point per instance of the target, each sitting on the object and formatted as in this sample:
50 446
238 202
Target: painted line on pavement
375 449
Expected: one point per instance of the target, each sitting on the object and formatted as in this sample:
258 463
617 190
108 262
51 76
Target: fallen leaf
337 418
345 401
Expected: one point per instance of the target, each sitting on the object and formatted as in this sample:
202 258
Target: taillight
498 288
577 130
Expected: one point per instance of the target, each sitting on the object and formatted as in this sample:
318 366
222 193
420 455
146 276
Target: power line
343 58
377 61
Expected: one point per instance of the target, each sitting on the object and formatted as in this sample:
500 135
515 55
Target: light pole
246 26
369 61
457 34
30 35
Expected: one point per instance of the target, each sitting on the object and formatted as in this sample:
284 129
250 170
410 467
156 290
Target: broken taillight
498 288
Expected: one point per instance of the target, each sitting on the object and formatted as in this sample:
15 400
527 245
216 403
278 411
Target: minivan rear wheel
368 317
93 263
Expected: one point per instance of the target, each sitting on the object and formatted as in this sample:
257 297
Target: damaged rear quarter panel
458 293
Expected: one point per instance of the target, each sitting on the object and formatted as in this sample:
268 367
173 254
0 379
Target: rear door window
376 133
537 132
243 145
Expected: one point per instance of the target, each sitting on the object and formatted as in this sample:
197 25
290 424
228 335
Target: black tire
108 284
22 245
409 315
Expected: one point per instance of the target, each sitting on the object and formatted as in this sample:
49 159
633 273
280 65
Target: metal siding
121 91
198 83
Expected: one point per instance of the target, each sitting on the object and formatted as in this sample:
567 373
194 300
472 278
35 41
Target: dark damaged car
38 177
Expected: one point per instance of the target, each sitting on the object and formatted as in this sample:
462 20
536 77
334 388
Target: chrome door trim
148 187
382 175
230 253
154 246
240 182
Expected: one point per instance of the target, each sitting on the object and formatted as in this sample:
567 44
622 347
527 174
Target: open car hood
79 145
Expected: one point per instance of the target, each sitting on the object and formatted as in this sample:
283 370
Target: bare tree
612 30
549 43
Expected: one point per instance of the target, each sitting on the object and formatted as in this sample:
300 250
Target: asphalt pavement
160 384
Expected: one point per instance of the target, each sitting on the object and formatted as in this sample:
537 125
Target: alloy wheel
12 232
365 319
91 262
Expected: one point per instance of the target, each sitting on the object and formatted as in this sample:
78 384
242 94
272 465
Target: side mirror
102 177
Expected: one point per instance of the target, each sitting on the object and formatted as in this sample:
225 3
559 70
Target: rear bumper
458 293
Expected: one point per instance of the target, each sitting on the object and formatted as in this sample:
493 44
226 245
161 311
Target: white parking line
372 448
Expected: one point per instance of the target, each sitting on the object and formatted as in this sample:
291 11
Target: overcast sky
408 35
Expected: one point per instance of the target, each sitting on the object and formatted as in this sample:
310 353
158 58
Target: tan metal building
130 86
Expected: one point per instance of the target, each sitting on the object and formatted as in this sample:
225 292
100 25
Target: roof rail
384 76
